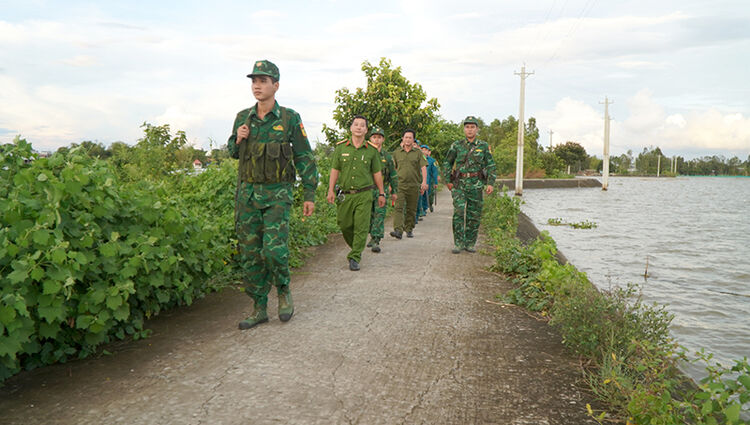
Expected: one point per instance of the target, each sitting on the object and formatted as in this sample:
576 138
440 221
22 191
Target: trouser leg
459 219
474 202
411 196
361 212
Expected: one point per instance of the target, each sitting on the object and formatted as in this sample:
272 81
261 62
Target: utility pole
658 165
521 127
550 140
605 164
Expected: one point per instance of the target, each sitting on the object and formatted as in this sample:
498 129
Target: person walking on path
411 167
356 167
271 144
427 199
470 164
390 185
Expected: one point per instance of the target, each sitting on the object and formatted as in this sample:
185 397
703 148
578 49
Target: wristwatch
382 194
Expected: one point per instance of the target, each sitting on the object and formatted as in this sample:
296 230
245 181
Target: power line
581 16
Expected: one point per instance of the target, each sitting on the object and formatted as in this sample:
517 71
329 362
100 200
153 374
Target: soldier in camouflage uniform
470 162
355 165
390 178
271 145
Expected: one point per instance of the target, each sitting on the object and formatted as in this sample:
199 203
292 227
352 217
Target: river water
693 231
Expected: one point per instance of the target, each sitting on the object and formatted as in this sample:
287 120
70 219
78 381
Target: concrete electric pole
550 140
605 163
521 126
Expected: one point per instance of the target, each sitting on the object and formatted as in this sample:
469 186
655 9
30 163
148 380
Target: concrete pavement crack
212 392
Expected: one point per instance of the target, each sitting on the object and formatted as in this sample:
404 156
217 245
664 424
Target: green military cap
265 67
377 130
471 120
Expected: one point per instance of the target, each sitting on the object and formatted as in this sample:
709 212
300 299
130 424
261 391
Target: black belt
353 191
467 175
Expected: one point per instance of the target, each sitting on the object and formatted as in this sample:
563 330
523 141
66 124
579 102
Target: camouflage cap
425 147
265 67
471 120
377 130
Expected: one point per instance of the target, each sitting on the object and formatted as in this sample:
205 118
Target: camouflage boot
375 245
286 305
259 316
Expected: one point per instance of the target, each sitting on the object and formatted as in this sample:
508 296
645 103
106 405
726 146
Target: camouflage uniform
356 167
409 167
276 149
470 158
390 178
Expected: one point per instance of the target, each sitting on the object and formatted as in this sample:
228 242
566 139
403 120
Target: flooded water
695 234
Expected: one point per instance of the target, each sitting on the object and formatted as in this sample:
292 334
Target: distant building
197 165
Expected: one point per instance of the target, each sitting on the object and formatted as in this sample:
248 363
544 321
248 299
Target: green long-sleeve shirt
390 176
271 129
480 160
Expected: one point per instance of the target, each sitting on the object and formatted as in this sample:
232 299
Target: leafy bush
85 259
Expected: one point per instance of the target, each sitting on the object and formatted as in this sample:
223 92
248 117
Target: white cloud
266 14
646 124
80 61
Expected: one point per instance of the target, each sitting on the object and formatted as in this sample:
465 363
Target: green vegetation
585 224
631 358
89 251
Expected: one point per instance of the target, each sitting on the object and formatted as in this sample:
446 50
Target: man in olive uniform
474 168
411 167
355 165
390 178
271 145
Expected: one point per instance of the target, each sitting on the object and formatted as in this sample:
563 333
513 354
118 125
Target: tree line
389 100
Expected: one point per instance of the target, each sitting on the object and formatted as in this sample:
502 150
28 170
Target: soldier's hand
242 132
307 208
422 188
489 188
381 201
449 186
331 198
394 197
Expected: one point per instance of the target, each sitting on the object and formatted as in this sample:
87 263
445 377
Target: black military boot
397 234
375 245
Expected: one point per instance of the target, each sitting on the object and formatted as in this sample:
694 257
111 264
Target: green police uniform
476 169
390 179
275 151
356 167
409 168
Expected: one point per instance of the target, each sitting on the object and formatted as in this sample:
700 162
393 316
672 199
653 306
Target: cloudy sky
676 70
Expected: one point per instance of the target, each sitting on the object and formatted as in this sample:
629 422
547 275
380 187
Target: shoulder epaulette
371 144
343 141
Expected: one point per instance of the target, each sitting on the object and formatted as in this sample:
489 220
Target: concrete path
415 337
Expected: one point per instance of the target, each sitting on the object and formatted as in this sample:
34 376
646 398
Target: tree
389 101
154 156
572 154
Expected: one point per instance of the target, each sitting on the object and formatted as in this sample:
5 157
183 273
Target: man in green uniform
411 167
271 145
390 178
473 168
355 165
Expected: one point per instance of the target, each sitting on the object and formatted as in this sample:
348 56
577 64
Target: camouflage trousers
467 212
431 196
353 216
377 219
263 234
